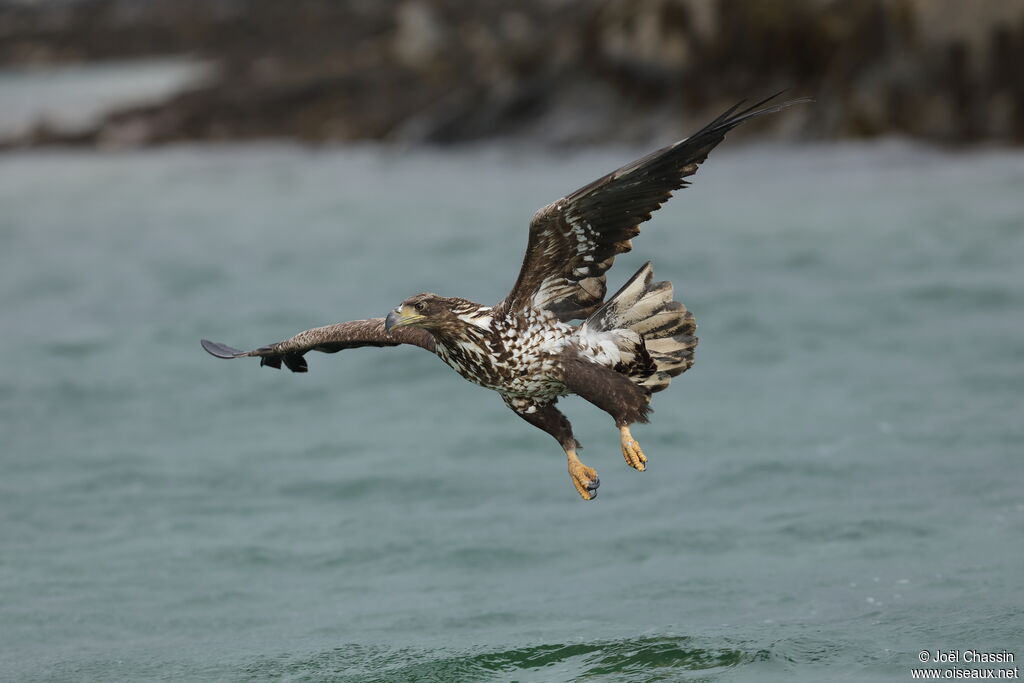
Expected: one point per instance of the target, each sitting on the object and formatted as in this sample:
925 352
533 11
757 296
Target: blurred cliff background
565 72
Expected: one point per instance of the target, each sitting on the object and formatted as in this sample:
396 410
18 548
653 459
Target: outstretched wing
329 339
574 240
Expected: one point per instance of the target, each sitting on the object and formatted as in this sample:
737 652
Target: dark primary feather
221 350
574 240
328 339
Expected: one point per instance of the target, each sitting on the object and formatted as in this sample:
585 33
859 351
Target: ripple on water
661 658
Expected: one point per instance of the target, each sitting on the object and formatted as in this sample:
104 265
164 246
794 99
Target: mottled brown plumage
328 339
525 347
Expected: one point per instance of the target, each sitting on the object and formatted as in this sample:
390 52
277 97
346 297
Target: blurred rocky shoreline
555 72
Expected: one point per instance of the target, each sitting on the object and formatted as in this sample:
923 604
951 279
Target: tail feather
657 296
669 344
612 314
657 382
643 310
668 321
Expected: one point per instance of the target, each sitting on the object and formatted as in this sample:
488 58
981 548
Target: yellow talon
635 457
584 478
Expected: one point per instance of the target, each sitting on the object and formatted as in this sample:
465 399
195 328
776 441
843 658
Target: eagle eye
419 306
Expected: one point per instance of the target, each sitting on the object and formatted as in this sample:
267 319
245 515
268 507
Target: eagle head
427 310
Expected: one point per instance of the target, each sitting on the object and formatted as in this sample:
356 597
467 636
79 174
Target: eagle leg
615 394
555 423
635 457
584 478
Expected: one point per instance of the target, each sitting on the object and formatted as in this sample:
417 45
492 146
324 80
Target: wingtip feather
218 350
759 109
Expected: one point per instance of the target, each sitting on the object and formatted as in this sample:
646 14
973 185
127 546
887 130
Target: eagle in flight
526 347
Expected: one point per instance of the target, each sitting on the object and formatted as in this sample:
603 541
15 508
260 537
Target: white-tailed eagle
526 347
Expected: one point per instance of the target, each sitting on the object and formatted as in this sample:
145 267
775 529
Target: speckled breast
515 357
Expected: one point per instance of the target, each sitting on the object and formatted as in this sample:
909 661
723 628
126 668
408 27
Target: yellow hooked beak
400 317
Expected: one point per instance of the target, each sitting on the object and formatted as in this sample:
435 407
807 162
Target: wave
633 659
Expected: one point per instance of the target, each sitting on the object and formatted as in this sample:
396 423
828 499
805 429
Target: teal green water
833 488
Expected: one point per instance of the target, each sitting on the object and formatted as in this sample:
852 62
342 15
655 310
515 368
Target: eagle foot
584 478
635 457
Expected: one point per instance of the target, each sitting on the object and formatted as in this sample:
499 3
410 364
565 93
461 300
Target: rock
560 72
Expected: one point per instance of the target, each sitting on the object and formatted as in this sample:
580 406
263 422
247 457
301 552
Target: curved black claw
220 350
592 487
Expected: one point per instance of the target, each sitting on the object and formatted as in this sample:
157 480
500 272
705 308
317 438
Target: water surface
833 488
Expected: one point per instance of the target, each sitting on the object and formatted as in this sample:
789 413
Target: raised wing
574 240
329 339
